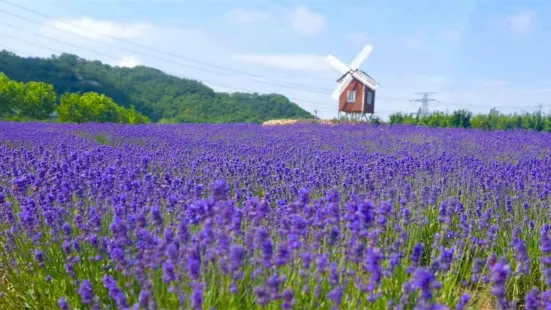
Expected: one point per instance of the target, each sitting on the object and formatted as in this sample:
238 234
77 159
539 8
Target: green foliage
494 120
159 96
94 107
130 116
461 118
89 107
402 118
374 119
9 94
31 100
37 101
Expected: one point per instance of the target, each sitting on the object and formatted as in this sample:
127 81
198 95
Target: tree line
494 120
22 101
161 97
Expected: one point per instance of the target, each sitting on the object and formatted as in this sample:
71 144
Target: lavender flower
533 300
340 210
63 304
261 295
39 256
463 300
499 275
426 282
86 292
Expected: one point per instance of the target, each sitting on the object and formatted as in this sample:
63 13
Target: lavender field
285 217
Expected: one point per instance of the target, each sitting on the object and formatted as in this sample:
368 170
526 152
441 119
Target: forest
494 120
159 96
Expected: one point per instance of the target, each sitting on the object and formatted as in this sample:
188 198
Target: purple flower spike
86 292
463 300
63 304
499 275
39 256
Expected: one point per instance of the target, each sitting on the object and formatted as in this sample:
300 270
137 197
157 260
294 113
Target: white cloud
312 69
240 16
295 62
129 62
307 22
200 45
99 29
522 22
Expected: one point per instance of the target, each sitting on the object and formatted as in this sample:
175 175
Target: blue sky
476 54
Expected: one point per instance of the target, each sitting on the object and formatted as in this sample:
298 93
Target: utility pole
425 102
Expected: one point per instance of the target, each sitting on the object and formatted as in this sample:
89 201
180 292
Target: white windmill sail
342 85
357 62
337 64
352 72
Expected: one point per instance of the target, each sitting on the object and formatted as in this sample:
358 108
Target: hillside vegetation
38 101
159 96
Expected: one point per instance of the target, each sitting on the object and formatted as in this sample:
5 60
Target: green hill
159 96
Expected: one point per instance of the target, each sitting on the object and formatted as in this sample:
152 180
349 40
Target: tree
131 116
89 107
461 118
69 109
396 118
94 107
38 101
32 100
480 121
11 96
152 92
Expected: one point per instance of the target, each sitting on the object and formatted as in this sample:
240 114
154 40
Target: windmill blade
342 85
356 63
337 64
367 80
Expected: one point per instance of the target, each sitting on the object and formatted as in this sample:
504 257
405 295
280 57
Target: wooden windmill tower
356 90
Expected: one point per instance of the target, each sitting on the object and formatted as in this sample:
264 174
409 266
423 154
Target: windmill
355 92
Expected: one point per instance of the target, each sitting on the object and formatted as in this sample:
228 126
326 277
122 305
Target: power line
255 78
52 39
113 57
71 44
310 104
304 103
251 76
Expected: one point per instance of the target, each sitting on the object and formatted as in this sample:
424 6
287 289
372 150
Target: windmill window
369 97
351 96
